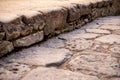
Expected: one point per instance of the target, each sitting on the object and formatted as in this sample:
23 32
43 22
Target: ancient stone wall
25 31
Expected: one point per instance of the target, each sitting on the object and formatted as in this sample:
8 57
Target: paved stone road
89 53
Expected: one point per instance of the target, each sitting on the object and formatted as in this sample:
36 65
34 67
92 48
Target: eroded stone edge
66 19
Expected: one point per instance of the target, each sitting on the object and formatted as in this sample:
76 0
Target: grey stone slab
41 56
53 43
41 73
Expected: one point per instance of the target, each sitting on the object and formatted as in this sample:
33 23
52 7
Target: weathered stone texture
94 63
41 56
52 19
55 20
29 40
76 11
88 53
78 44
56 74
116 7
111 39
35 21
13 71
99 31
13 29
5 47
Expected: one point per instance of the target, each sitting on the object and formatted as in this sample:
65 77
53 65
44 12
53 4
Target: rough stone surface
53 43
5 47
79 44
116 32
41 56
13 29
55 74
29 40
78 55
99 31
111 39
22 19
110 27
115 50
76 36
13 71
100 47
58 16
94 63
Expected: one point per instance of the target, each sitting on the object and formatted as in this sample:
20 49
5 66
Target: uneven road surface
89 53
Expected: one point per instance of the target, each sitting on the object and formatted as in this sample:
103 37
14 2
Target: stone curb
23 30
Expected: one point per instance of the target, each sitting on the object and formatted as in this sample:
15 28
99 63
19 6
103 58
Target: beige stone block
5 47
110 39
94 63
29 40
41 73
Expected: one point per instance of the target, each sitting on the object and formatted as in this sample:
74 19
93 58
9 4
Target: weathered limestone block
100 4
101 8
13 29
116 7
35 21
5 47
94 63
110 39
55 20
29 40
26 30
76 11
43 56
99 12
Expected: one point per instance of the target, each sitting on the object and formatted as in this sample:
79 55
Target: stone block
55 19
116 6
110 39
5 47
41 73
35 21
29 40
13 29
43 56
94 63
76 11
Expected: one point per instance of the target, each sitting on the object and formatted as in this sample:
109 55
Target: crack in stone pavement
89 53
